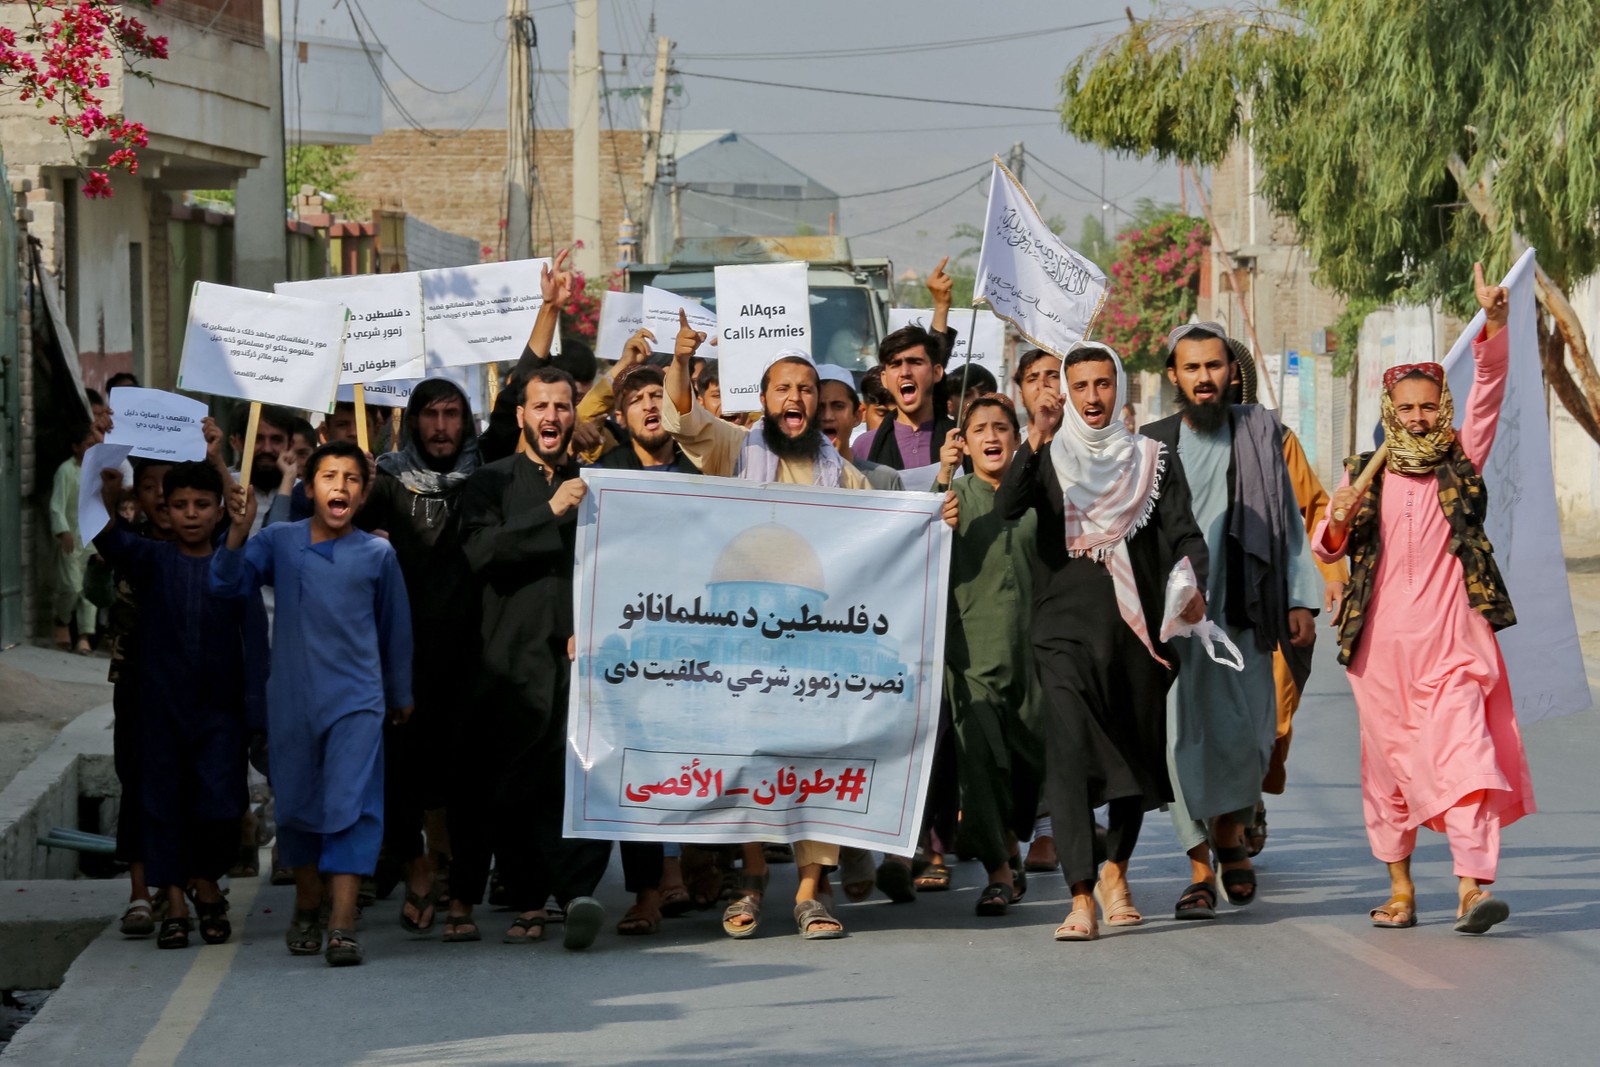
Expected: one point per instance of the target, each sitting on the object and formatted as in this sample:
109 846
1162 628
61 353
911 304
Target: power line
901 129
893 50
862 92
850 196
918 215
356 5
458 18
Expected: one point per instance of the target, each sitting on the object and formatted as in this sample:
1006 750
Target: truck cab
850 297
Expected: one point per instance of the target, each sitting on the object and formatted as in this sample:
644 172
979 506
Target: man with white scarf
787 446
1113 521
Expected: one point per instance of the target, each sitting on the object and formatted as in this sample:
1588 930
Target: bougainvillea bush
1155 284
59 63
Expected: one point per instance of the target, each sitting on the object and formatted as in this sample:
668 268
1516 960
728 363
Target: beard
530 434
804 447
1204 416
265 477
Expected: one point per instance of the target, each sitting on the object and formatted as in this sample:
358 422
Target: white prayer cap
832 372
790 353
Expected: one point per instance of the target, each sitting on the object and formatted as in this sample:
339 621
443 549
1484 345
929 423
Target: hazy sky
852 144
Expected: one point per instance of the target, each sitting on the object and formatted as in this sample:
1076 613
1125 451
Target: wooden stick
360 392
248 460
1363 481
394 429
492 372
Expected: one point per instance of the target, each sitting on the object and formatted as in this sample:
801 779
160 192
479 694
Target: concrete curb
45 925
46 793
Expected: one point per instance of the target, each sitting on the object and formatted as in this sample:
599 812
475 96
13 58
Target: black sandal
343 949
304 936
1239 885
422 902
1019 877
215 929
527 926
174 933
1199 901
995 899
1255 835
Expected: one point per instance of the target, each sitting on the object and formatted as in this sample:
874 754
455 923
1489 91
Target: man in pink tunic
1439 741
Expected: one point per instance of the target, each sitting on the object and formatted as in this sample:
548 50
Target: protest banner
762 309
385 339
1028 275
92 514
482 313
661 308
983 341
396 392
156 424
621 316
1544 660
730 685
264 348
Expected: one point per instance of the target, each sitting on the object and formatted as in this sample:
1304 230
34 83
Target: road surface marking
188 1004
1377 958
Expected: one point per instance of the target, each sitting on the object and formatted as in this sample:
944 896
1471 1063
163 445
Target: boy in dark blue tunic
199 697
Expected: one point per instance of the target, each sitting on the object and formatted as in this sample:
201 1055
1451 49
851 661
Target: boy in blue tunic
341 655
198 693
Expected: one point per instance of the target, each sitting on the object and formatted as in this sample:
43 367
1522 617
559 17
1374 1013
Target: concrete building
718 183
96 276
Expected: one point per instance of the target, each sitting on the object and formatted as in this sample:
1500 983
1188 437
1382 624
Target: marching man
1439 740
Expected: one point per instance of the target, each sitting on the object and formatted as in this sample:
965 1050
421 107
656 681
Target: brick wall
457 182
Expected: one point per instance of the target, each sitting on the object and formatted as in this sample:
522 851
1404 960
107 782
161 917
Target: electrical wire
879 51
458 18
857 196
356 5
920 214
862 92
901 129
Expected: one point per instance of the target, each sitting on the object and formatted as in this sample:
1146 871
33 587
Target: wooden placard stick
394 428
1363 480
360 392
492 372
248 459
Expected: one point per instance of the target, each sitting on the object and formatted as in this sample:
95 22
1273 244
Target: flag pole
966 371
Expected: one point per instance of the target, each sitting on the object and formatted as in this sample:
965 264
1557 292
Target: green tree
329 169
1404 141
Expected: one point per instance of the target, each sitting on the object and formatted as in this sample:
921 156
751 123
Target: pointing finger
1477 275
940 268
561 258
683 319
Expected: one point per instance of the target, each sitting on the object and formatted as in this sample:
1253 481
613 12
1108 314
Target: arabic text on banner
762 309
755 663
155 424
1029 276
981 339
385 337
482 313
262 347
661 308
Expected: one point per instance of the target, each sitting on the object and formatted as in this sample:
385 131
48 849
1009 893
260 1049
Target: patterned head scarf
1410 453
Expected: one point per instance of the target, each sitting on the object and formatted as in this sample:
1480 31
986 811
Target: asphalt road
1298 977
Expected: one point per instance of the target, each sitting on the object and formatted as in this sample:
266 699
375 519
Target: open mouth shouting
339 504
793 420
908 393
652 422
549 437
1204 392
993 450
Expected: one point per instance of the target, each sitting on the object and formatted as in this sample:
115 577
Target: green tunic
989 672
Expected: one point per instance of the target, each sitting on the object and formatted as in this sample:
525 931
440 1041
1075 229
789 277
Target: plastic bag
1181 586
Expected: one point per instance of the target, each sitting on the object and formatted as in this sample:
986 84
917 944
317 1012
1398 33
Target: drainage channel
17 1008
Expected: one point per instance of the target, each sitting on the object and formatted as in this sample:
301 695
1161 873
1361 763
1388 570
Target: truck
850 298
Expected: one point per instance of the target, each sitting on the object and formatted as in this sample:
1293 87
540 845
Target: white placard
762 309
1029 276
661 318
396 392
988 331
482 313
621 316
385 336
92 514
157 424
262 347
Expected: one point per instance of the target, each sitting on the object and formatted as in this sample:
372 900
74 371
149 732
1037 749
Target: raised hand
1046 420
950 456
1495 300
951 510
555 283
940 285
635 349
567 496
689 339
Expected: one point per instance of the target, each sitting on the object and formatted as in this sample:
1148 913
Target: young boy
988 672
198 698
70 603
341 654
122 634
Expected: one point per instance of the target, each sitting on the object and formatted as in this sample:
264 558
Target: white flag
1543 658
1029 276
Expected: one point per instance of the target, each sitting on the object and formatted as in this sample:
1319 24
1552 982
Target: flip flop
1484 912
527 926
636 923
583 920
995 899
458 921
935 878
1388 916
675 901
422 902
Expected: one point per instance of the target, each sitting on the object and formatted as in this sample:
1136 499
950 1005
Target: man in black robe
1113 520
519 522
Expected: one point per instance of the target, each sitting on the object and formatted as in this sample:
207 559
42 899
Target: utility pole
519 178
583 115
677 215
651 245
1015 160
